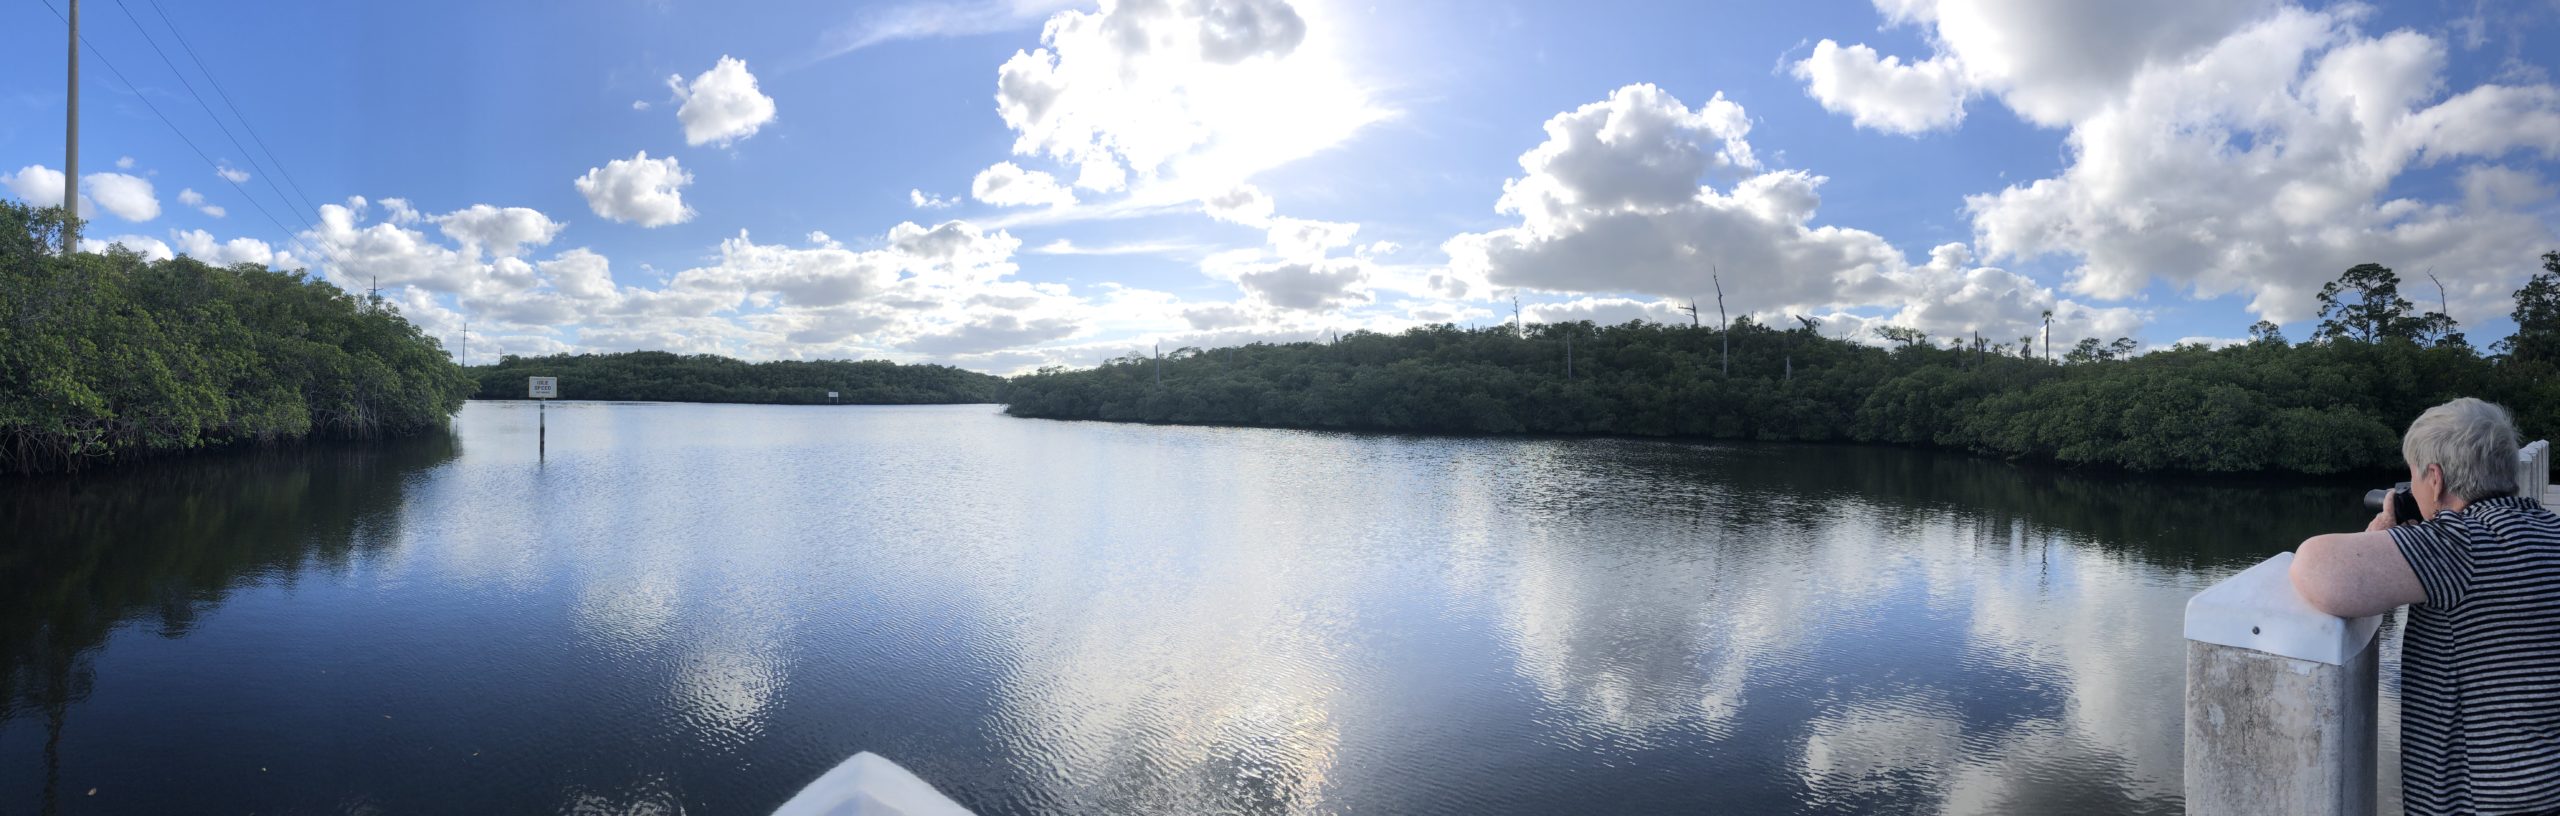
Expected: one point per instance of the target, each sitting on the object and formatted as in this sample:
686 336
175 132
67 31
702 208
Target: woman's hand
2385 520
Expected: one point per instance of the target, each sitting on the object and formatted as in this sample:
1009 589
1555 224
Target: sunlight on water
698 608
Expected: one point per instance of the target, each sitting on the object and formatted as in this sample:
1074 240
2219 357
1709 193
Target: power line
164 119
208 112
287 233
225 96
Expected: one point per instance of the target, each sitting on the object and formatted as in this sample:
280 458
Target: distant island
2334 404
108 356
659 376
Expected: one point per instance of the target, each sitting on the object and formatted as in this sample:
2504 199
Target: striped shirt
2480 661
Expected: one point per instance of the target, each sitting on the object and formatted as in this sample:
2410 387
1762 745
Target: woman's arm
2352 575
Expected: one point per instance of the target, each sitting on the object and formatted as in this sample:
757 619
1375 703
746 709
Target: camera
2404 506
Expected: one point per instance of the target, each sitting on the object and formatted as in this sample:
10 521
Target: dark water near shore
696 609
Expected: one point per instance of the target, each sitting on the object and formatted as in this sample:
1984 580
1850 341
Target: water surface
697 609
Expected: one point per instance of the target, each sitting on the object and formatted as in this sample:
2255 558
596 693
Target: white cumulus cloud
2266 163
202 246
1008 185
1622 198
1246 204
149 247
1882 92
1309 286
1212 90
188 196
722 105
639 190
41 186
392 253
1605 311
2051 62
502 231
126 197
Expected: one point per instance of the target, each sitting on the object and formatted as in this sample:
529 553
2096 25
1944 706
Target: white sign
543 387
831 395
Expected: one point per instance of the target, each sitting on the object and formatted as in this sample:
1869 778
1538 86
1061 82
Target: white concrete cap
2258 609
870 785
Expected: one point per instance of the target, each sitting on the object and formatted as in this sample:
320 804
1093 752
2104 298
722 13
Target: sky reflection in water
698 608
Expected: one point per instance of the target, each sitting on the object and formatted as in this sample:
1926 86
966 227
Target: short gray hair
2472 441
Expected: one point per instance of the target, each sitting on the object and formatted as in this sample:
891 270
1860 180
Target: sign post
543 389
831 396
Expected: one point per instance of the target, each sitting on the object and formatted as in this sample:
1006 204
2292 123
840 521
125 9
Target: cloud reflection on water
1648 607
704 606
1644 613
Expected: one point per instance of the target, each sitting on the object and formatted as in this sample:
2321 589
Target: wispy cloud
927 20
1136 205
1064 247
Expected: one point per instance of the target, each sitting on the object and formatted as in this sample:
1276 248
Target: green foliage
665 377
2537 337
2091 351
2264 406
2266 332
108 356
2365 305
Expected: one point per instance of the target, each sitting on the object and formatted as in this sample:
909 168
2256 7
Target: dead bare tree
1722 326
2444 305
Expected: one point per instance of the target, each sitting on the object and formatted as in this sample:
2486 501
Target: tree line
110 356
660 376
2333 403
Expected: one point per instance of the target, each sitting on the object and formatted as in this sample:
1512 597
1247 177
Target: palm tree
2048 335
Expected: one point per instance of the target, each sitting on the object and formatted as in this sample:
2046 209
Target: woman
2480 653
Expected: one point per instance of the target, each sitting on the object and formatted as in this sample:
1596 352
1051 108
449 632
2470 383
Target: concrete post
2533 470
2281 701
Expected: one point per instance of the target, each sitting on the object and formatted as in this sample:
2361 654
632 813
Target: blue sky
1206 172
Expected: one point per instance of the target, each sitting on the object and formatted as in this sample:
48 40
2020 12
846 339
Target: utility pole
1723 327
466 342
71 147
1518 328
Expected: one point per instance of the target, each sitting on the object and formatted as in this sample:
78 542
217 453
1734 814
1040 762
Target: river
698 608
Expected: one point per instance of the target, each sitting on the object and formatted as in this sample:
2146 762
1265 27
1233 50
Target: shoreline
2247 477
